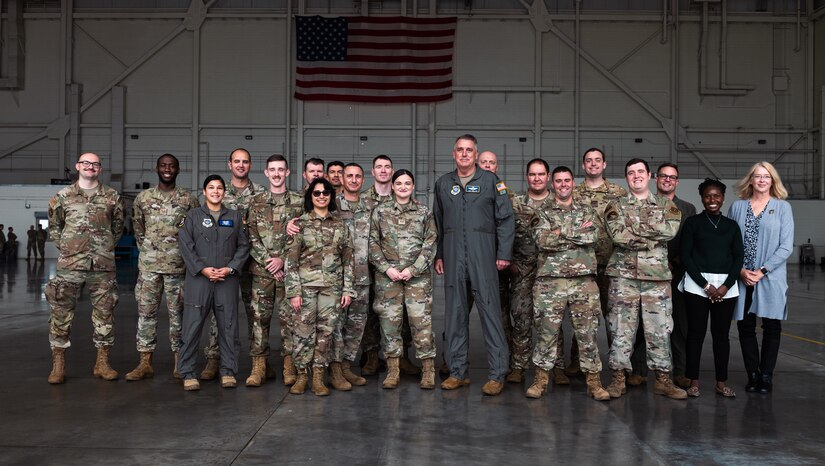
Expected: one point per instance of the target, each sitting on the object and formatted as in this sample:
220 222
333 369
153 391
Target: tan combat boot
634 380
428 374
144 368
213 365
102 368
516 376
318 386
594 387
301 380
191 385
336 378
352 378
617 386
407 367
258 376
664 386
372 364
392 373
559 377
539 384
290 374
58 374
175 372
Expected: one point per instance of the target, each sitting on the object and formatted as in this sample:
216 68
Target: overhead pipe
724 88
798 26
577 88
664 37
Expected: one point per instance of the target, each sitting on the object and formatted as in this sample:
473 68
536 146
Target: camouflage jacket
239 199
565 249
356 216
266 223
86 229
640 229
320 255
524 208
372 199
402 236
598 198
42 236
157 217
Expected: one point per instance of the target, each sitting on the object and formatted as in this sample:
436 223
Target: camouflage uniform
521 284
566 278
371 341
237 200
156 217
347 336
319 270
640 277
404 236
85 231
266 223
31 244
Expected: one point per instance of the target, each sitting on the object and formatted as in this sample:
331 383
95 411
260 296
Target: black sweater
712 250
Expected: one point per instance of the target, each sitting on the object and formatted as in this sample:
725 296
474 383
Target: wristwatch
763 270
231 271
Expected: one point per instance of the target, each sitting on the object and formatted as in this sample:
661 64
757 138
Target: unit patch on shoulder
456 189
501 187
181 221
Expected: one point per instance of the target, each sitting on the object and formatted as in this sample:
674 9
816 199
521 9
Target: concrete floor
88 420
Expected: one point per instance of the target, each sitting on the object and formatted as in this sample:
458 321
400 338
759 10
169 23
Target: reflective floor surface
91 421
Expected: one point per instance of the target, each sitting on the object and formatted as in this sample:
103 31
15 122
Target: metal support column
118 138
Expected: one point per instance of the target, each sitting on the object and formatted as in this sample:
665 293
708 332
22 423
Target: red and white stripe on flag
374 59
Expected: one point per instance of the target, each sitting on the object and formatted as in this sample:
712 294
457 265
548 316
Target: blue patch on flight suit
227 223
456 189
207 222
473 189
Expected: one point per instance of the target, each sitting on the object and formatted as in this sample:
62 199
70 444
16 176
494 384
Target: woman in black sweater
712 253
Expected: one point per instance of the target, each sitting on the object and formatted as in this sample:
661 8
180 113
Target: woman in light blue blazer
766 221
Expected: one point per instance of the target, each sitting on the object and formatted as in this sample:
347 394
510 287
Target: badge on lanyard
207 222
456 189
227 223
473 189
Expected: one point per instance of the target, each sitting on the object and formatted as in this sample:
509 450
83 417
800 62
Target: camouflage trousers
149 289
603 281
346 339
521 315
211 350
62 292
650 301
391 298
371 340
267 294
551 297
314 325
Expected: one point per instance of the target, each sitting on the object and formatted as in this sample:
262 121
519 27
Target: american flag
374 59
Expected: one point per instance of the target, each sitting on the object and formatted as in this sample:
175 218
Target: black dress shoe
753 382
766 384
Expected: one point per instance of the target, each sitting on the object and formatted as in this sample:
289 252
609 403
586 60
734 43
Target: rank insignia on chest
401 221
473 189
207 222
227 223
456 189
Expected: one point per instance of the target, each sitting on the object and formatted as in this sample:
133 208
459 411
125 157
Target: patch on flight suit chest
456 189
473 189
207 223
227 223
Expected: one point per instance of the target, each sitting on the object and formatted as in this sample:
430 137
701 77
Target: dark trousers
698 309
771 334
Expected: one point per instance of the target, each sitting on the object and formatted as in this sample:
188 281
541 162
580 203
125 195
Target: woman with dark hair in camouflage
402 250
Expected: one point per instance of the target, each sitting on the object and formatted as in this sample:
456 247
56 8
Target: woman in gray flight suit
214 245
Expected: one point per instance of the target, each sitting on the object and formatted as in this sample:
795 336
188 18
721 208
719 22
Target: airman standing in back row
157 216
31 243
42 236
596 191
85 223
640 225
239 192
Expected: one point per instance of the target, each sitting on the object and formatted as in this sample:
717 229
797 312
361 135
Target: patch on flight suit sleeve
181 221
501 188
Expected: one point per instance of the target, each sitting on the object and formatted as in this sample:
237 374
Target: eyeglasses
87 164
325 193
761 177
668 177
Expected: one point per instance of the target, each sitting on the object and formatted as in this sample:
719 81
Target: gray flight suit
203 243
475 228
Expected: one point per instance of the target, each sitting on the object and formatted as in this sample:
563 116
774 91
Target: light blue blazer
773 248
